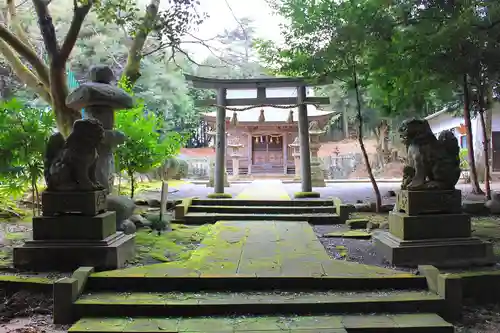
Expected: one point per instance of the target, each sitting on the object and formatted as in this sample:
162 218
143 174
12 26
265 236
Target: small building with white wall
445 120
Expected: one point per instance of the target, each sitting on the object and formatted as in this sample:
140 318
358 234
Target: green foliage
24 132
145 147
464 159
183 169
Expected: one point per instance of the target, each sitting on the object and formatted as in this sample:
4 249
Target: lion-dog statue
431 163
70 164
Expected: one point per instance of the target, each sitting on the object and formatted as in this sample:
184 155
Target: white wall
445 121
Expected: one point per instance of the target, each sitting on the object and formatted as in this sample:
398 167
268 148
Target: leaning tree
48 78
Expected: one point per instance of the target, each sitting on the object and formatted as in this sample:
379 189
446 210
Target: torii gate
259 84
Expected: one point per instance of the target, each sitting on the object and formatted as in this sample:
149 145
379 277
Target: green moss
357 234
25 279
175 245
219 196
372 217
303 195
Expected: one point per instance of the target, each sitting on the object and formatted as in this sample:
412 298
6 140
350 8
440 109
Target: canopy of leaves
24 132
145 147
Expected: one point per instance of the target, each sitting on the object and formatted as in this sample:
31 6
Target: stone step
262 209
152 281
380 323
108 304
251 202
312 218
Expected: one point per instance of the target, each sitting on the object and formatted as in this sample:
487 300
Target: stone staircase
255 276
317 211
113 306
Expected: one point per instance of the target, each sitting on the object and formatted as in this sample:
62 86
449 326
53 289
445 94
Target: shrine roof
271 114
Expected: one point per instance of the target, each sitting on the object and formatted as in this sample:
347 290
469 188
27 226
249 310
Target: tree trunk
486 144
132 183
34 201
65 117
378 197
38 205
476 189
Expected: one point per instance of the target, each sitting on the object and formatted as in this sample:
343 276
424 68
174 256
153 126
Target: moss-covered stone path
258 249
270 189
306 324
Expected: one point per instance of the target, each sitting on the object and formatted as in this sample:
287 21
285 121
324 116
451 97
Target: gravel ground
351 192
358 250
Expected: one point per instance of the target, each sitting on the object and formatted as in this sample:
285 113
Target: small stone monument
295 145
211 174
427 225
235 146
100 99
317 174
75 228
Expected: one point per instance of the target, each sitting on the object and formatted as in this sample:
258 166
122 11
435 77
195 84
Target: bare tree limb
47 29
24 73
117 63
79 14
27 53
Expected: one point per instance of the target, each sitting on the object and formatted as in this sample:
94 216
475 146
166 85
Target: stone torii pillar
305 158
220 141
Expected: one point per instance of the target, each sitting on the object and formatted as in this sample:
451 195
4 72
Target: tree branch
47 29
14 23
79 14
27 53
24 73
131 71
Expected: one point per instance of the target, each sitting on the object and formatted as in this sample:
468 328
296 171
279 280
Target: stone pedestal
211 177
75 230
236 165
295 145
428 228
317 174
235 146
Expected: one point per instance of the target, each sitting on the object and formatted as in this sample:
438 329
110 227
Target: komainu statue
431 163
70 164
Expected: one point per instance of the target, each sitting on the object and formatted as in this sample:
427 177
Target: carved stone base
86 203
74 227
429 202
444 252
211 180
408 227
317 174
45 255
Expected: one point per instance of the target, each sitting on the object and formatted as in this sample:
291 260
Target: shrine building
264 134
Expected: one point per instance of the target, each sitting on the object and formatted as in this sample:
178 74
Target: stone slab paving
303 324
271 189
258 249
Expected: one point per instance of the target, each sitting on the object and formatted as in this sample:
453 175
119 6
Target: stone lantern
100 99
317 174
211 173
295 145
235 146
